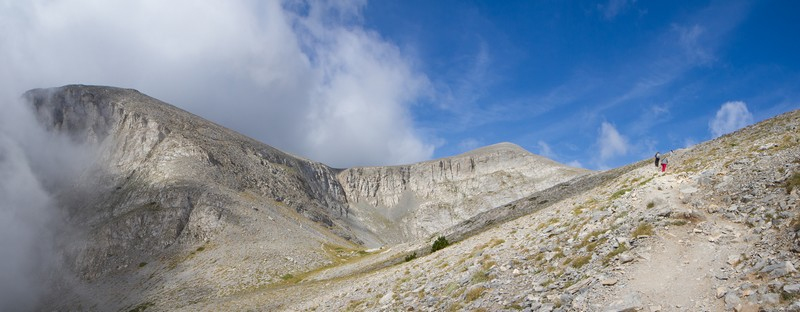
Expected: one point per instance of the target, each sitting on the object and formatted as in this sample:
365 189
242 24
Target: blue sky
596 84
548 74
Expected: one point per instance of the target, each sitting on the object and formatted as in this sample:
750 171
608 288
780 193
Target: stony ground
717 232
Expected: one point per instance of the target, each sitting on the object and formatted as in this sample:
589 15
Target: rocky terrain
179 212
717 232
182 214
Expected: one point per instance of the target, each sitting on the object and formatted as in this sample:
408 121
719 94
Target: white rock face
403 203
172 188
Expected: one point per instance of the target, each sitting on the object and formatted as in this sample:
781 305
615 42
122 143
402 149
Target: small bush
439 244
651 205
411 256
142 264
287 277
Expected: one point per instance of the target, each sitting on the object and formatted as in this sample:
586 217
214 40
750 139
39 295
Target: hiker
658 157
664 163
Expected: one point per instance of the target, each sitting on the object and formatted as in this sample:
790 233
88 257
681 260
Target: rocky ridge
717 232
407 203
179 207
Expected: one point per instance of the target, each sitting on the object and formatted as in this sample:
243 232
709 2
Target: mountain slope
717 232
407 203
179 207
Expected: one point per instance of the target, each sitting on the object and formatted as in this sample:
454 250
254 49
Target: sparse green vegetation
439 244
287 277
620 249
480 277
142 264
643 229
411 256
581 261
201 248
651 205
679 222
474 293
792 182
795 224
619 193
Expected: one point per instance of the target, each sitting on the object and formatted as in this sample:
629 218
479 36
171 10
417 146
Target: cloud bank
611 142
34 164
730 117
305 77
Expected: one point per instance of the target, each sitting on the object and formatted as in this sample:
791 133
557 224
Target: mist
36 166
305 77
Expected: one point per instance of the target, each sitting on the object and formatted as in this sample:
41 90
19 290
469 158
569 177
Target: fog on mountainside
34 166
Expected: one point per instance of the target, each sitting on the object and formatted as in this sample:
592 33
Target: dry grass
792 182
474 293
644 229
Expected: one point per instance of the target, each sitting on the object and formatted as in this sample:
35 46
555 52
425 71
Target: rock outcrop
405 203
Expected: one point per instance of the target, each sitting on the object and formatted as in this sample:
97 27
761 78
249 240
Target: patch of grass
411 256
620 249
354 305
439 244
142 264
581 261
651 205
795 224
450 288
201 248
592 246
619 193
679 222
287 276
496 241
481 276
474 293
643 229
559 253
792 182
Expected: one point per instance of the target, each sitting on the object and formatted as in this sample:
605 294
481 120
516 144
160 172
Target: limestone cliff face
193 199
413 201
165 176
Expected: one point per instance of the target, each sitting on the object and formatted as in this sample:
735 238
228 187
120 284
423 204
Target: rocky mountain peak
169 184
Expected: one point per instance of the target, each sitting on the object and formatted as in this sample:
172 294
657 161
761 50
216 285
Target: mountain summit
174 194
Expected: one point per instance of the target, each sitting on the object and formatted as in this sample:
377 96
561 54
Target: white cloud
305 77
730 117
575 163
611 142
693 43
613 8
468 144
545 150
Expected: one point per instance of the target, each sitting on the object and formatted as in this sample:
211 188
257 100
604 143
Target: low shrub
439 244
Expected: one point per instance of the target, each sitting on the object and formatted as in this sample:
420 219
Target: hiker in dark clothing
658 158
